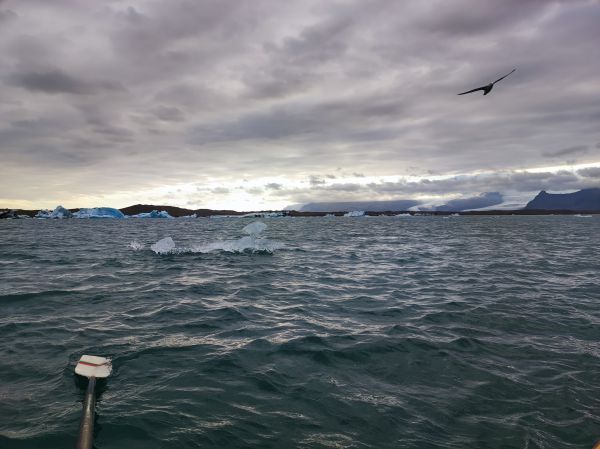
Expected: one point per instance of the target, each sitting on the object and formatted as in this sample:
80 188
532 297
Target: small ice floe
153 214
254 228
582 216
405 215
355 213
136 246
164 246
251 243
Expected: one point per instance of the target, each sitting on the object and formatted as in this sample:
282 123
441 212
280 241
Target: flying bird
487 89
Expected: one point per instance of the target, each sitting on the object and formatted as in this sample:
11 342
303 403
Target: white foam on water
164 246
136 246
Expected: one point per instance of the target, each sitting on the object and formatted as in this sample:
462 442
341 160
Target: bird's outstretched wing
500 79
473 90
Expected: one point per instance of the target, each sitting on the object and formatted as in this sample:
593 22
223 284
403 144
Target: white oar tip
93 366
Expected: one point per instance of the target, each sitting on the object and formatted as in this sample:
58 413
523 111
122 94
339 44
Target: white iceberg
254 228
98 212
247 244
153 214
355 213
252 243
58 212
164 246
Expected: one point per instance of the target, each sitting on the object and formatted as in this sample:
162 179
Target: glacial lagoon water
388 332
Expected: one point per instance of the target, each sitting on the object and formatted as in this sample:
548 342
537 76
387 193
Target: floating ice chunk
254 228
153 214
136 246
98 212
163 246
403 215
355 213
247 244
58 212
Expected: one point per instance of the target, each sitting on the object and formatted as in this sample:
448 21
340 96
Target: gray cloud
55 81
122 97
592 172
577 149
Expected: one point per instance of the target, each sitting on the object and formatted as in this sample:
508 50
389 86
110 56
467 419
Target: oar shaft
86 428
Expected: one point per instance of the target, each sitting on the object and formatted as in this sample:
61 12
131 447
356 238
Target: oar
93 368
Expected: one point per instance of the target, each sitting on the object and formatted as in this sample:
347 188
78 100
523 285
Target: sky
262 104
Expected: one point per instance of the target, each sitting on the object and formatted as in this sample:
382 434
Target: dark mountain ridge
585 200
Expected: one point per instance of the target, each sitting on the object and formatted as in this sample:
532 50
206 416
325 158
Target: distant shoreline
206 213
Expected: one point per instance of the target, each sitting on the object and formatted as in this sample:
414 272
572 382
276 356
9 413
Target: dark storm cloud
169 114
151 93
6 15
577 149
592 172
55 81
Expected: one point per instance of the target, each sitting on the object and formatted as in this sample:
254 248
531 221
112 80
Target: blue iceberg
98 212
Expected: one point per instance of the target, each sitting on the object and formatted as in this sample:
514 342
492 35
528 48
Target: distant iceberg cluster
99 212
108 212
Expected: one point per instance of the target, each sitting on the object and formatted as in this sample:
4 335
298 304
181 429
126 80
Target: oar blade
93 366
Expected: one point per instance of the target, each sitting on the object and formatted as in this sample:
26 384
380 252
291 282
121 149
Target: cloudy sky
265 103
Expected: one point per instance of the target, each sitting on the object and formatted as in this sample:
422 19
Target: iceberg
164 246
58 212
98 212
252 243
254 228
355 213
153 214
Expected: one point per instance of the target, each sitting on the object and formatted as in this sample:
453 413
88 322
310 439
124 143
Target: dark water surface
468 332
